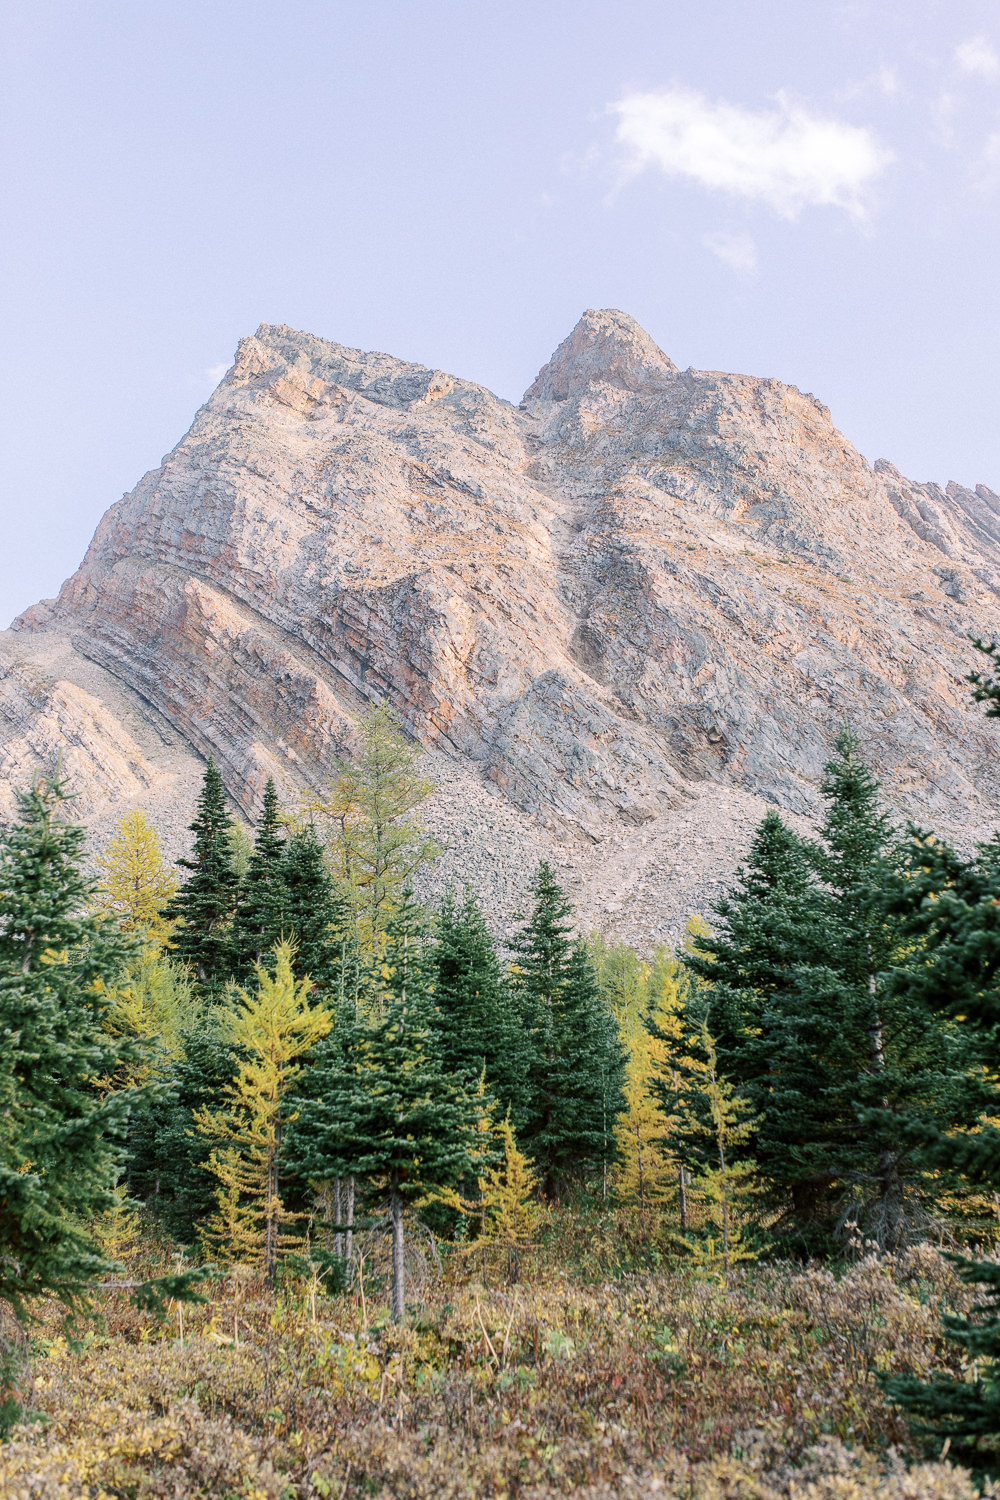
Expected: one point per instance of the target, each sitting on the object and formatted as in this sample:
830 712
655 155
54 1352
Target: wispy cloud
884 81
216 372
784 157
737 251
978 57
985 171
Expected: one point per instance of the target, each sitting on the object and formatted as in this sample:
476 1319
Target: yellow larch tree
646 1176
724 1185
273 1028
376 842
512 1213
152 999
503 1208
136 882
154 1002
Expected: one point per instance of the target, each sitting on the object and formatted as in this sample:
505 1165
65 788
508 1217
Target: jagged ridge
640 583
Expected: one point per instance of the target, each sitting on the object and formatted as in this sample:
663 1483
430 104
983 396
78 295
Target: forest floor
752 1386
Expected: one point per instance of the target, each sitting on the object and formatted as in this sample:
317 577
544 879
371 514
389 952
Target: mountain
622 617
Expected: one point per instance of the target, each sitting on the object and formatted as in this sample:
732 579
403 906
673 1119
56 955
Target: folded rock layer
640 585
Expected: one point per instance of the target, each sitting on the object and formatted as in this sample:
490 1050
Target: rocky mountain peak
606 347
621 620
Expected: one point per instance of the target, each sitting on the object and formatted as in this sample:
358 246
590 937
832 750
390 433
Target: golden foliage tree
646 1175
375 838
136 882
153 1002
503 1210
511 1210
273 1028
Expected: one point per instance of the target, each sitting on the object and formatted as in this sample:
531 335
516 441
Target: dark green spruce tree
479 1027
167 1155
258 919
857 866
950 907
783 1030
831 1059
765 927
319 921
207 899
577 1064
60 1136
915 1063
379 1103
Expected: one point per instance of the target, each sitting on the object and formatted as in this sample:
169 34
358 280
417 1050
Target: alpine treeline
286 1051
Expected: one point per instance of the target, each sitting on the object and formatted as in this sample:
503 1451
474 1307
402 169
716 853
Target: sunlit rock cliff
622 616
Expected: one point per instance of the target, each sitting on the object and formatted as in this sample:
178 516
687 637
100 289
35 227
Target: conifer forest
310 1187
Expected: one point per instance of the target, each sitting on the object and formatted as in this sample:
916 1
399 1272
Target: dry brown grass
754 1387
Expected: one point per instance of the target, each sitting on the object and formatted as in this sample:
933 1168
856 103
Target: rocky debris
623 618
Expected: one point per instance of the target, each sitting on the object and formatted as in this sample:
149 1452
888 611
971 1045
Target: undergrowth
753 1386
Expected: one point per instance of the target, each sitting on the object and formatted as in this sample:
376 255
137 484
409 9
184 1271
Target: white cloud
784 157
737 251
884 80
978 56
216 372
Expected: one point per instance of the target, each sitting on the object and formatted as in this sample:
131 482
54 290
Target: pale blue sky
795 188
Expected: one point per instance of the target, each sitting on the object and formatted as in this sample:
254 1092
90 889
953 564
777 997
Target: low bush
760 1385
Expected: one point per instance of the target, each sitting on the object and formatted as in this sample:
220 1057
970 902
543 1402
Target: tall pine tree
479 1029
577 1065
806 1023
950 907
207 898
379 1102
59 1134
258 919
318 919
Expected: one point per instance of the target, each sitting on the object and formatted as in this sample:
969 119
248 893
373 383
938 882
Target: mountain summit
605 348
640 592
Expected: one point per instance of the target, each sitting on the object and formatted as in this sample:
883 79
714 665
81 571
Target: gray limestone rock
623 617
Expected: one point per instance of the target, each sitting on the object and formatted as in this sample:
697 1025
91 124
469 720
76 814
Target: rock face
641 592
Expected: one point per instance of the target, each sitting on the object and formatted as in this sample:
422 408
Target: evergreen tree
914 1064
258 922
806 1023
950 908
318 919
765 927
167 1155
986 685
479 1029
577 1063
206 900
379 1102
136 886
59 1135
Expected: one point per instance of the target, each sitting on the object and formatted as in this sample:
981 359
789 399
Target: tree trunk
889 1229
349 1221
682 1198
338 1233
271 1209
398 1267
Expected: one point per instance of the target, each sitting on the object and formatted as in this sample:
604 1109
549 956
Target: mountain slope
642 591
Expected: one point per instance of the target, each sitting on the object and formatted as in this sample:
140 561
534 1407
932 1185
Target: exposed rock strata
641 593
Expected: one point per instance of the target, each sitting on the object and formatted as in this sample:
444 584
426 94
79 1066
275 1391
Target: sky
793 188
